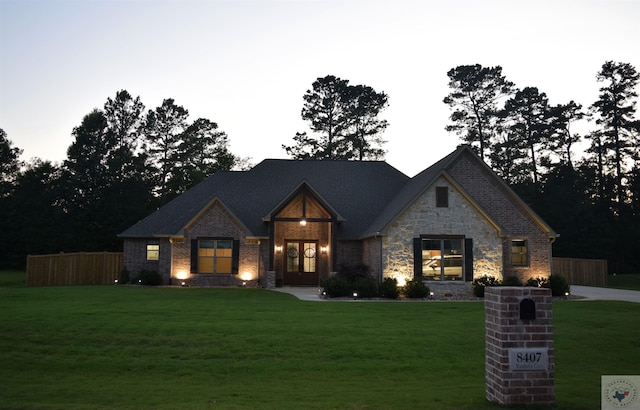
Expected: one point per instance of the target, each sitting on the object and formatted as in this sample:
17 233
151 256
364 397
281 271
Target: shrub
337 286
511 281
349 279
124 276
415 289
558 284
389 288
366 287
149 278
354 272
480 283
538 282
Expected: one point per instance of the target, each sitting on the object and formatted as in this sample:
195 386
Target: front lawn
624 281
132 347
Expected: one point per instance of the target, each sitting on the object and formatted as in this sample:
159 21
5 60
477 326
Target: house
292 223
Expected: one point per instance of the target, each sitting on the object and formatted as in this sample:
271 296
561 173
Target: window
442 197
215 256
153 251
519 253
442 258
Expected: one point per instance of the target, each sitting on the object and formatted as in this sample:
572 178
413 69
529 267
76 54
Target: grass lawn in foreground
132 347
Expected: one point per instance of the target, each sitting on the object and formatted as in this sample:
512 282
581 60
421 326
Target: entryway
300 263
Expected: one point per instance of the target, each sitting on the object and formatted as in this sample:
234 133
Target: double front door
301 263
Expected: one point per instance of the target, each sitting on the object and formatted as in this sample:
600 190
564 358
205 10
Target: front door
301 264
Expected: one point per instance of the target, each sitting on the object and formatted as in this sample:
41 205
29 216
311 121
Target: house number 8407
531 357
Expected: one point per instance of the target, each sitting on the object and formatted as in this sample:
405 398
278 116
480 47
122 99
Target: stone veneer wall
460 218
504 330
491 195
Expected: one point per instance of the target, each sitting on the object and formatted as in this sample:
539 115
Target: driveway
593 293
589 292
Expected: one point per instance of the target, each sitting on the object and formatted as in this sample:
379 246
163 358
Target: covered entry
302 231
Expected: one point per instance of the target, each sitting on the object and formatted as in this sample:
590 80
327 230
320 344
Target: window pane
153 252
205 265
223 265
431 257
519 253
453 259
309 257
442 197
293 257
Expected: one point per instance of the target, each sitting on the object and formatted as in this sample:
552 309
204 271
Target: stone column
519 351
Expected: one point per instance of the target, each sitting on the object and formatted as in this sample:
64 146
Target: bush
415 289
366 287
389 288
124 276
558 284
538 282
354 272
480 283
337 286
349 279
511 281
149 278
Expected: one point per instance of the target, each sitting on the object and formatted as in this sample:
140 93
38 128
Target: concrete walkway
589 292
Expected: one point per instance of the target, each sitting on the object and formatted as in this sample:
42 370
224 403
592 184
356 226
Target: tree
615 110
202 151
474 98
561 139
163 131
344 117
364 105
9 164
527 113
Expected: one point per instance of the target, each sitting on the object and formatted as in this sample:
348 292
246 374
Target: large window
153 251
215 256
519 253
442 258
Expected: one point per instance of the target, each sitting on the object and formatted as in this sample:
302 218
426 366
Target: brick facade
493 196
504 331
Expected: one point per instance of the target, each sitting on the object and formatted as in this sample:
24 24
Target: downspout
258 262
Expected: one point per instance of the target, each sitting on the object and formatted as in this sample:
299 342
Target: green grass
11 278
625 281
131 347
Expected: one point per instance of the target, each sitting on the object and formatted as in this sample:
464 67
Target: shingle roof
367 195
357 190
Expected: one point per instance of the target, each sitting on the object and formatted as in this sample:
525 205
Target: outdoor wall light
324 249
278 249
303 222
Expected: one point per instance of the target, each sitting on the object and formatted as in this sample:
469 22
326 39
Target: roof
356 190
366 196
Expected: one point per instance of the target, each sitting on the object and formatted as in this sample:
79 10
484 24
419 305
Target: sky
246 64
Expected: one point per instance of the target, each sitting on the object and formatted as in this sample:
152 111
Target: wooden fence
587 272
92 268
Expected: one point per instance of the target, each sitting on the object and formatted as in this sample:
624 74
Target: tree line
126 161
592 200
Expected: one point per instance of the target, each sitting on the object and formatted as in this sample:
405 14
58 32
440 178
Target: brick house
292 223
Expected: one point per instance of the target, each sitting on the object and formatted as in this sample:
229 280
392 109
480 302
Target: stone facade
459 218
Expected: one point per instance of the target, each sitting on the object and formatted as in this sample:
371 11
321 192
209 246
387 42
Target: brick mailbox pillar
519 363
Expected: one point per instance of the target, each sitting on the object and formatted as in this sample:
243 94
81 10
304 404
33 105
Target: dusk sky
246 64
